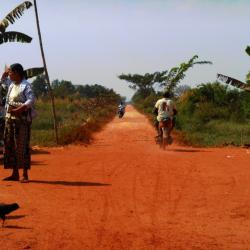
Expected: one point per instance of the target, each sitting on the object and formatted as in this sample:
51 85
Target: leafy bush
213 114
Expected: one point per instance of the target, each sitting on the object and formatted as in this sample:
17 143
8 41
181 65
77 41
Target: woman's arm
29 96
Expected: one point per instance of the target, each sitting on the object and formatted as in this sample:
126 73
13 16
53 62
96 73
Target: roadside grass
216 133
77 120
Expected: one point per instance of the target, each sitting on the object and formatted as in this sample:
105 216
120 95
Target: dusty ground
123 192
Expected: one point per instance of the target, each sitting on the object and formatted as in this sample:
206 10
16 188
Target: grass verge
77 120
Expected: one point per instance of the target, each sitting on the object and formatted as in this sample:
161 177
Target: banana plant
248 75
32 72
248 50
233 82
170 81
14 36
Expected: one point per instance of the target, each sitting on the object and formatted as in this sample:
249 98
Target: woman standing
18 118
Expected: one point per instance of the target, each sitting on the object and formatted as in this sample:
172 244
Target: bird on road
6 209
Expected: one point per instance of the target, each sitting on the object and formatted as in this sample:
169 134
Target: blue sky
91 42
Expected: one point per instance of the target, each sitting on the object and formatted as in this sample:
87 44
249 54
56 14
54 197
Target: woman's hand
18 111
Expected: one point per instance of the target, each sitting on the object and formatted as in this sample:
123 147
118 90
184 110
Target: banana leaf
248 50
13 36
234 82
32 72
14 15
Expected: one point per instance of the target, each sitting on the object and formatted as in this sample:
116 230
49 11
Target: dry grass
77 120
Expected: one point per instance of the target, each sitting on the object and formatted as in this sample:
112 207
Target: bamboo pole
46 73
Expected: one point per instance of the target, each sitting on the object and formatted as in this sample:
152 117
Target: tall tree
39 86
142 83
14 36
46 72
63 88
168 80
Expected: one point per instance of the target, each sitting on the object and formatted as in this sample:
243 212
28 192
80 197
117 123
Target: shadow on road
37 163
15 217
33 163
17 227
33 152
188 150
70 183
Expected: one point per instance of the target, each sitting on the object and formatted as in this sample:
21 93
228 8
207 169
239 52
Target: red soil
124 192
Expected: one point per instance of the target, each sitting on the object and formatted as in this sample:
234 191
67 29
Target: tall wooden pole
46 73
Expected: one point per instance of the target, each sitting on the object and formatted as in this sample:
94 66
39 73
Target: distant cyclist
165 110
121 109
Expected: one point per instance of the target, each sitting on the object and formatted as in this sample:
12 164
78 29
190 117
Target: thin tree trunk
46 73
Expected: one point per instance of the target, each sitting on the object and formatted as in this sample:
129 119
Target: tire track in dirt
183 188
134 189
154 207
107 177
104 217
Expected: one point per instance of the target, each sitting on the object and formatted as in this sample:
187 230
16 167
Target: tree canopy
167 80
39 86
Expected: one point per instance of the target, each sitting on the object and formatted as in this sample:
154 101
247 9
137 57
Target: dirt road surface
123 192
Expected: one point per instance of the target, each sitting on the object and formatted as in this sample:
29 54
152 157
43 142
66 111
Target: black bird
6 209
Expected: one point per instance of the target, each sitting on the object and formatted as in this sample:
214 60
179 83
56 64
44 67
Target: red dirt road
123 192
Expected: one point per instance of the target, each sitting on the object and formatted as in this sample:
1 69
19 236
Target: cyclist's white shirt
165 109
121 107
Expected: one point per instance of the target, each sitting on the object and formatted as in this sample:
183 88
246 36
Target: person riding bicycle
165 110
121 108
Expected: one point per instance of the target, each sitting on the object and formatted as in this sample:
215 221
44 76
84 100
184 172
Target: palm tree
46 72
13 36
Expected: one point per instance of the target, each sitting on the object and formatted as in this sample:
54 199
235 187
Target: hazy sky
93 41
